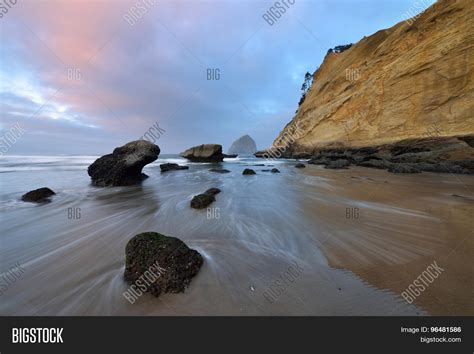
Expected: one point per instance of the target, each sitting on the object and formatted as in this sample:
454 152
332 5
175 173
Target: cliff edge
412 81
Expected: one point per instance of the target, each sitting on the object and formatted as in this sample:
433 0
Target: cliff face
414 80
243 145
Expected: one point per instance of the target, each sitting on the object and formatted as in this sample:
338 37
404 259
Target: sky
81 77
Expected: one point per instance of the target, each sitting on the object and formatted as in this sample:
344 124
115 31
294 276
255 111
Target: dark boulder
230 156
212 191
248 171
468 139
412 158
375 163
172 263
458 167
124 166
204 153
403 168
219 170
40 195
302 155
202 201
273 170
165 167
319 160
300 165
365 151
431 154
338 164
262 154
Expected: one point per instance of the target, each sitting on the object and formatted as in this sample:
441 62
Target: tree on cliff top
308 81
339 48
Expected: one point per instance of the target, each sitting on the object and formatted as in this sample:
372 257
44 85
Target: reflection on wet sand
403 224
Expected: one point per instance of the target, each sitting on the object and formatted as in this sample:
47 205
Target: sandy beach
402 225
355 238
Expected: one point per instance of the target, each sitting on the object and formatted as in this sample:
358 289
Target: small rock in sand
212 191
165 167
401 168
167 260
338 164
40 195
201 201
248 171
219 170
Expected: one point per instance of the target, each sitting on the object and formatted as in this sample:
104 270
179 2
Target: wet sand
403 223
266 223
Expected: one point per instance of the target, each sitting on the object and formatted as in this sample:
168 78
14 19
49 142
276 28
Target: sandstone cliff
413 80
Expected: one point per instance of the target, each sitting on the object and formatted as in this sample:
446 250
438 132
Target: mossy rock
212 191
201 201
248 171
178 264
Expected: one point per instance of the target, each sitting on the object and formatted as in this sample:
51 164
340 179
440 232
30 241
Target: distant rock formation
244 145
123 167
204 153
409 83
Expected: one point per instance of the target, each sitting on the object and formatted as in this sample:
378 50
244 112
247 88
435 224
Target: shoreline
453 155
352 265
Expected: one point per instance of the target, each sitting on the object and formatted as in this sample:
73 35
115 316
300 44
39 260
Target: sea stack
244 145
204 153
123 167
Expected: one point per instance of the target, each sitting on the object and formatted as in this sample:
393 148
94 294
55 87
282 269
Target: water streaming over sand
266 223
